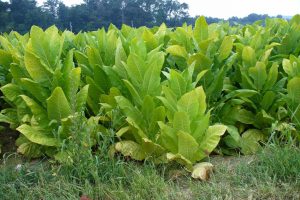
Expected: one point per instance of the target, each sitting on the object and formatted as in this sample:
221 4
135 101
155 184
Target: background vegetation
20 15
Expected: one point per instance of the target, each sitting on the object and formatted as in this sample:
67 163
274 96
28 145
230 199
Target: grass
273 174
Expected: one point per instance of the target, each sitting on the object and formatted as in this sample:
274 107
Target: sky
228 8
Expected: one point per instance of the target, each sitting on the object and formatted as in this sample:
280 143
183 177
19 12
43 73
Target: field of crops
160 94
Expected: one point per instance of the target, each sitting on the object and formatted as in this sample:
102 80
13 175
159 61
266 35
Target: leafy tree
52 7
20 15
4 6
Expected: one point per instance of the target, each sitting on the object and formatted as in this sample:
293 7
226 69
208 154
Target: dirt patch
7 140
231 162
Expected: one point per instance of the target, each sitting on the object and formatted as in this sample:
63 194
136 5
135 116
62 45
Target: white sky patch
66 2
242 8
229 8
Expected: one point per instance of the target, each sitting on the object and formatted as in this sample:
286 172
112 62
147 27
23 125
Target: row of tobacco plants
162 94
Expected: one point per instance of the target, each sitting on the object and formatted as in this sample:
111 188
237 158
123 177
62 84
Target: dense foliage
161 94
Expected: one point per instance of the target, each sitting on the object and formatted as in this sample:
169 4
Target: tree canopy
20 15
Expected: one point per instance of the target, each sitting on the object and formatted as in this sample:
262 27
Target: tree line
20 15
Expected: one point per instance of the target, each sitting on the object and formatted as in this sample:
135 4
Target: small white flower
18 167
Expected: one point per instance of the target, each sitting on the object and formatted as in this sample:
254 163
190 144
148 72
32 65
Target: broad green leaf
201 29
158 115
134 93
152 149
122 131
129 109
177 83
11 92
201 97
30 150
94 93
81 98
201 61
138 128
188 146
215 88
135 69
268 100
147 108
293 88
38 137
241 93
287 67
68 62
200 76
115 80
170 96
34 88
205 45
295 20
39 113
150 40
266 55
249 58
57 105
234 133
199 127
110 98
120 58
37 71
259 75
181 122
72 82
6 119
101 78
151 80
211 139
189 103
47 45
138 47
168 138
272 77
250 139
94 57
225 48
5 58
245 116
83 63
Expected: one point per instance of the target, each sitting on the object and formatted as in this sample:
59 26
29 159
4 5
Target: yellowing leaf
130 149
250 139
180 159
202 171
176 50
